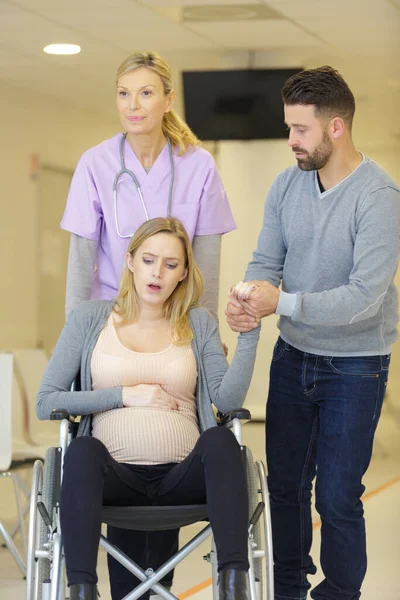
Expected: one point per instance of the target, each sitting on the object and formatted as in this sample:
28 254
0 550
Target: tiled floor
382 510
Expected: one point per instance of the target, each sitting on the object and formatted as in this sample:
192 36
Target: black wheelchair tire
50 493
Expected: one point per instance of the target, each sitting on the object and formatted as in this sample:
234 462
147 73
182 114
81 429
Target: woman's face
158 266
142 102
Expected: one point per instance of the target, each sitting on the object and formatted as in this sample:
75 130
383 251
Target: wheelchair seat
154 518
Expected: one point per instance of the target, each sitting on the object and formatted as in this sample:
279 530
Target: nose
134 102
292 141
158 269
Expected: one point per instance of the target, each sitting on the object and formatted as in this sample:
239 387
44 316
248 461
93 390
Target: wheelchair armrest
58 414
241 413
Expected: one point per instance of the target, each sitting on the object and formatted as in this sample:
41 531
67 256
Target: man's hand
249 302
262 301
237 318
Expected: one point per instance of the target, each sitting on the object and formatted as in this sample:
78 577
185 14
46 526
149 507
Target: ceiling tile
152 37
368 35
325 10
122 11
255 34
172 3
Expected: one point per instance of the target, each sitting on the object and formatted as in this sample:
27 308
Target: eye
301 130
147 261
122 93
171 266
146 93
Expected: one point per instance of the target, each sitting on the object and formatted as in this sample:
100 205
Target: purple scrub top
198 200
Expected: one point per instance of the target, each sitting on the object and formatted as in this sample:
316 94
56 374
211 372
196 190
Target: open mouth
154 287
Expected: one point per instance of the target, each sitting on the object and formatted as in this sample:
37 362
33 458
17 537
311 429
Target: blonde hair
173 126
184 297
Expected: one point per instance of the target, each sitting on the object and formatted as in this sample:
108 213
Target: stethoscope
135 181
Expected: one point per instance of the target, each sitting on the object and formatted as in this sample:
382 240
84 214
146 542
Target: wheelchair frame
45 560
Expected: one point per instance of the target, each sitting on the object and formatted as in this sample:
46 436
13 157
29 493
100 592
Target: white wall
248 170
31 123
389 159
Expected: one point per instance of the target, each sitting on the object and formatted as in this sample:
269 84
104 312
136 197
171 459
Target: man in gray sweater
331 239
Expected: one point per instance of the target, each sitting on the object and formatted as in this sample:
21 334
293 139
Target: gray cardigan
218 383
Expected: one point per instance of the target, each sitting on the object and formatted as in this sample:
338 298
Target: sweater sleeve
269 257
80 272
207 252
228 384
63 368
375 259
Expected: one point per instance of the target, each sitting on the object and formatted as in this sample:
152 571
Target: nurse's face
142 102
157 266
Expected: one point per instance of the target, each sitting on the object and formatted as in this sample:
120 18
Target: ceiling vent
226 12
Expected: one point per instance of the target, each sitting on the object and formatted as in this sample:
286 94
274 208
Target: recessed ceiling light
62 49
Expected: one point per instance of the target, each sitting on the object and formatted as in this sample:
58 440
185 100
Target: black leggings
213 473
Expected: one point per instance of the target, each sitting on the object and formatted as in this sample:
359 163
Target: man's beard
317 159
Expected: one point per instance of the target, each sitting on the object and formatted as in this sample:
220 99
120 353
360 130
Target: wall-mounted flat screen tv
236 104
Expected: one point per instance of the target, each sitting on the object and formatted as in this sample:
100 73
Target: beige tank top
143 435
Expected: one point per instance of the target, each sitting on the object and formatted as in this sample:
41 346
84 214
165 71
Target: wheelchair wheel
269 559
33 535
43 523
50 493
253 486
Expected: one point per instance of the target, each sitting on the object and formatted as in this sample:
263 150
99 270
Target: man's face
308 137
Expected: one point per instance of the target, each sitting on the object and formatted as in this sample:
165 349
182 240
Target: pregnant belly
146 436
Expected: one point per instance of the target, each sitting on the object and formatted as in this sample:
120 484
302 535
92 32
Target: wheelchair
45 560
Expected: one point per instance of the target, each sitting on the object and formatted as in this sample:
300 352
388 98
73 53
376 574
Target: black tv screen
236 105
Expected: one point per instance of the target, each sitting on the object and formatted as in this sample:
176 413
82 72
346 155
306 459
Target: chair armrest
58 414
241 413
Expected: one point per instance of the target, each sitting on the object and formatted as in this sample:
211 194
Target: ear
337 127
129 262
171 100
184 275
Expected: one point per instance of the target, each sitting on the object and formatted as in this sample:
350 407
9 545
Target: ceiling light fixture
62 49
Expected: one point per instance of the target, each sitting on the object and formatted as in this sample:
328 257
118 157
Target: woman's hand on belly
148 395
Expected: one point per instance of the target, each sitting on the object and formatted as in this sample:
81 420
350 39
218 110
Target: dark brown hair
323 88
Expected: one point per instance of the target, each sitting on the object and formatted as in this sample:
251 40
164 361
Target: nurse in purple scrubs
154 169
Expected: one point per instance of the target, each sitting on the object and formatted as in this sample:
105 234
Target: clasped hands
249 302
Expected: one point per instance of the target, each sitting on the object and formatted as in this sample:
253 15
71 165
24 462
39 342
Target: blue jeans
322 413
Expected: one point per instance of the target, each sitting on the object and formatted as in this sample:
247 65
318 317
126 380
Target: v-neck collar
159 168
326 192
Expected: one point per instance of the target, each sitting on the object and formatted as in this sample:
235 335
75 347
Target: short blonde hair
186 294
173 126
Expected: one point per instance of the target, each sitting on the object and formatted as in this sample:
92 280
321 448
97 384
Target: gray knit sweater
336 254
218 383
